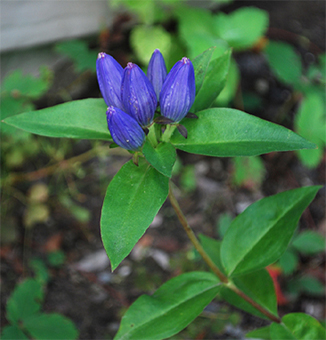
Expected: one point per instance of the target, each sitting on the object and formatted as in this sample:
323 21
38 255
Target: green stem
152 136
210 263
168 132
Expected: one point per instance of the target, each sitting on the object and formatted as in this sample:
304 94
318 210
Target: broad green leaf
259 286
201 63
170 309
224 222
147 11
231 86
83 119
78 50
199 42
298 326
243 27
260 235
310 123
194 22
278 332
188 178
304 326
10 107
132 200
162 158
223 132
24 301
318 72
306 284
260 333
289 261
145 39
51 327
13 333
18 85
309 242
284 61
40 270
248 172
213 249
195 27
214 82
312 286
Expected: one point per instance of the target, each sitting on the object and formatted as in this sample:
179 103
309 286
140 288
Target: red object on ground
275 272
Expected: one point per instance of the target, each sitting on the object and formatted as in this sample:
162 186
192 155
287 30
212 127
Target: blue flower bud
124 129
138 95
156 71
109 76
178 91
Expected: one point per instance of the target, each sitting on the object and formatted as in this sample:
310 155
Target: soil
83 288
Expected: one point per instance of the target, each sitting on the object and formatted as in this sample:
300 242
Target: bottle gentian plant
255 239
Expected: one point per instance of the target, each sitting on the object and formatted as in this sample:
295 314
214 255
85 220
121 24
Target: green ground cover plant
256 238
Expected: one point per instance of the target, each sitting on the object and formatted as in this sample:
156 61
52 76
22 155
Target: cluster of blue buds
132 97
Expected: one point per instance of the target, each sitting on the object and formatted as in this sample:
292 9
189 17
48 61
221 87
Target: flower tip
101 55
110 111
130 65
185 60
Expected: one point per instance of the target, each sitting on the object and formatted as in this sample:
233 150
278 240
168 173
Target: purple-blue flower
178 91
109 76
156 71
124 129
138 95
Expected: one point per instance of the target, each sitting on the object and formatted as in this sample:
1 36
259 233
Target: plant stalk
209 261
168 132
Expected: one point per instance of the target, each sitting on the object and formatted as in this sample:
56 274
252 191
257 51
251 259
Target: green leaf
309 242
289 262
77 119
284 61
310 123
231 86
223 132
260 333
306 284
56 258
145 39
263 231
51 327
201 63
10 107
312 286
213 249
278 331
19 85
133 198
162 158
13 333
195 26
224 222
79 52
24 301
259 286
170 309
298 326
248 172
40 270
188 178
243 27
214 82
